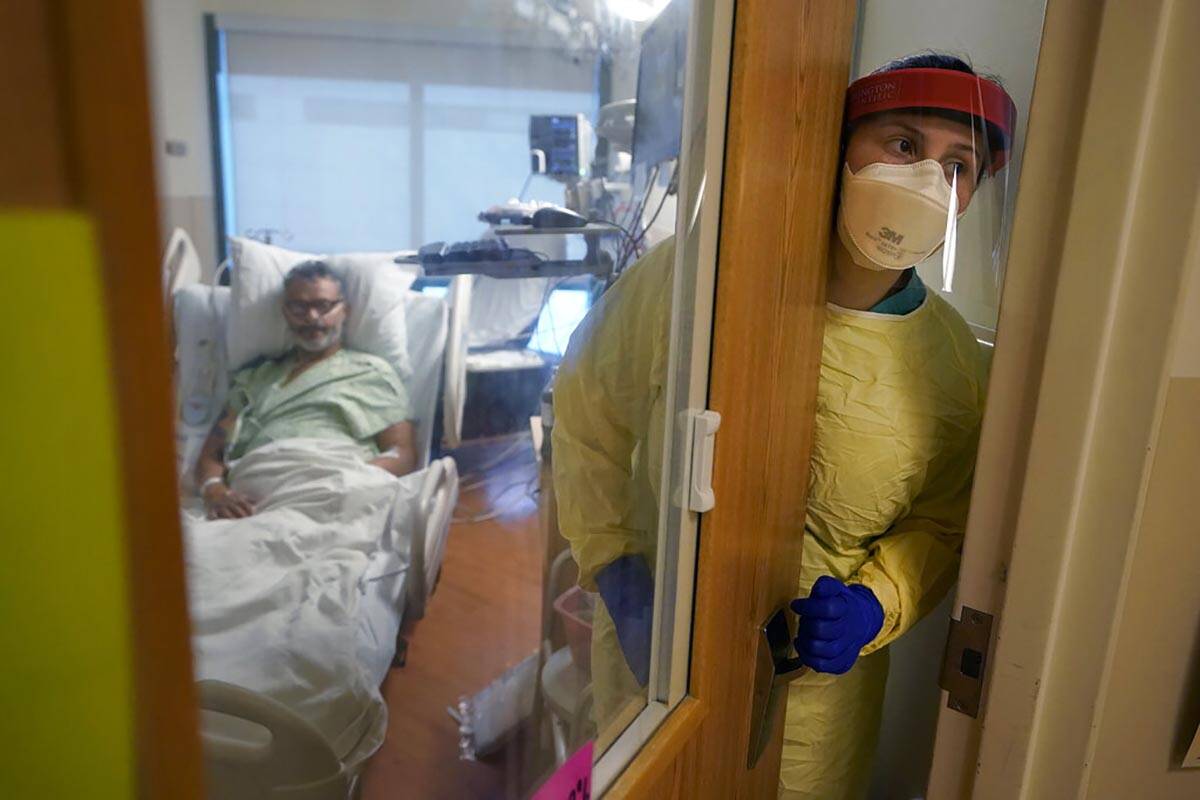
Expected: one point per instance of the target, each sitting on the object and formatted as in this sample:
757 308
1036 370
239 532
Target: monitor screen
557 136
658 118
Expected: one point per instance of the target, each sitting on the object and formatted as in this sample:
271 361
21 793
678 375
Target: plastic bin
575 607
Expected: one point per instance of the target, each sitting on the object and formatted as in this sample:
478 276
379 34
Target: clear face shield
925 181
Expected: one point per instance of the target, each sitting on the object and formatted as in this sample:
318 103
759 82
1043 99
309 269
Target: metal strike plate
965 660
774 668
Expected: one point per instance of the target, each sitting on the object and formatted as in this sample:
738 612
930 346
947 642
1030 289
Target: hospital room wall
1153 683
175 44
178 80
997 38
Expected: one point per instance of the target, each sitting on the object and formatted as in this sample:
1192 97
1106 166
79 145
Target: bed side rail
295 763
435 507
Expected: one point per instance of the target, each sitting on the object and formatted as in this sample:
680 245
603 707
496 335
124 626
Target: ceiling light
637 10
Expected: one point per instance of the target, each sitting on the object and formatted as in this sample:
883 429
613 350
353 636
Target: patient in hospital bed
318 390
297 562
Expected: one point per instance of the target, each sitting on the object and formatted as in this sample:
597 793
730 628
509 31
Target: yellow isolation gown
899 405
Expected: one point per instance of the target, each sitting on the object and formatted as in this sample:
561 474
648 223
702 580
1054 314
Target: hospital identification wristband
210 482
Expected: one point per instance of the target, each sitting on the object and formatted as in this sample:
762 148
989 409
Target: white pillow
375 290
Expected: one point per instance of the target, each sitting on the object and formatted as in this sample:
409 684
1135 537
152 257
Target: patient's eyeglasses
300 308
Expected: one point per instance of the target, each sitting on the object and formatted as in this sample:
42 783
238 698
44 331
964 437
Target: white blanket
277 599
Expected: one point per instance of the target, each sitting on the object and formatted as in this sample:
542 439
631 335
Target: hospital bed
256 746
181 262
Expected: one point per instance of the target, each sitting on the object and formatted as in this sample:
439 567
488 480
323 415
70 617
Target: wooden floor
483 618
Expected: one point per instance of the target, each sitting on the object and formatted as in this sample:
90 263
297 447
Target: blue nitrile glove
836 622
627 589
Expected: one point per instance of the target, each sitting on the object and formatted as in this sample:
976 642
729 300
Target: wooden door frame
1102 225
82 142
790 68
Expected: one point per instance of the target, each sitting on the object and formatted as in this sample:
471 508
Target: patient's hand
221 502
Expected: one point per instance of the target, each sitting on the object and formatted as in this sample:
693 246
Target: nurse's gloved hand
627 588
836 622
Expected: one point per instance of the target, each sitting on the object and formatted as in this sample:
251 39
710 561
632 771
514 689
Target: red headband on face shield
946 89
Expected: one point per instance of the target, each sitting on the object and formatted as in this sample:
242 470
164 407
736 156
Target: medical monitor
560 145
658 118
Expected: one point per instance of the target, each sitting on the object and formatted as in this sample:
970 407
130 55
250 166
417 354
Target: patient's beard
326 342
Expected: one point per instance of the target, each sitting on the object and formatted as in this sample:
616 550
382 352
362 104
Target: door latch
698 495
774 668
965 660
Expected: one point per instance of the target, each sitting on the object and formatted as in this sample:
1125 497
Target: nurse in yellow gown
899 404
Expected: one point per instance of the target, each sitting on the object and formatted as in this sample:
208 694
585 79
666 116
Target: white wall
175 41
1000 39
175 33
1148 710
1186 362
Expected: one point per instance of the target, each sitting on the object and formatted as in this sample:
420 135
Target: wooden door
78 152
86 147
788 74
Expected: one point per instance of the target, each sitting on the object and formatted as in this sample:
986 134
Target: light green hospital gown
348 397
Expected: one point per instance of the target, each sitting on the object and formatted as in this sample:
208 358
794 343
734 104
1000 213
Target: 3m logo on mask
893 216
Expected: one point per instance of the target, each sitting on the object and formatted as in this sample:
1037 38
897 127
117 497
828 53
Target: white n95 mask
893 216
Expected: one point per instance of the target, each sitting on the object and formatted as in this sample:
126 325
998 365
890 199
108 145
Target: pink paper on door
572 781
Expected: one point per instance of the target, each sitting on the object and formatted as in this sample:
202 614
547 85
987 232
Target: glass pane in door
441 296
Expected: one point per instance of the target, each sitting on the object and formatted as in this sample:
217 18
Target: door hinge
965 660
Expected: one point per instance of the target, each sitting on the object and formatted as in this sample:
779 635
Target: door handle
775 667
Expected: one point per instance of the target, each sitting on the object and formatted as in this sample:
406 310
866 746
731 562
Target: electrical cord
549 307
651 178
497 508
525 187
639 208
476 476
551 285
626 241
629 237
630 242
661 203
633 224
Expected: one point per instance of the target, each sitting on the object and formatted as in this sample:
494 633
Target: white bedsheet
302 601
